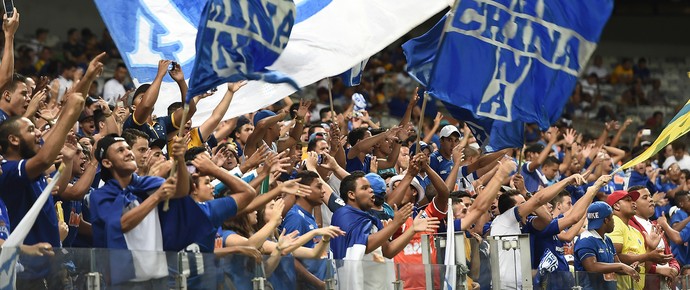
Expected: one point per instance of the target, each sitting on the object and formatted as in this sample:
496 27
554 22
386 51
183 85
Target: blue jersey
680 252
533 179
299 219
355 164
3 116
217 210
440 164
161 127
591 244
4 222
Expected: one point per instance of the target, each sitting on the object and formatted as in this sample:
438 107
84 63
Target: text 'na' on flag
237 40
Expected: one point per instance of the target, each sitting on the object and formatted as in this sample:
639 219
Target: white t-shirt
601 72
508 223
683 163
112 90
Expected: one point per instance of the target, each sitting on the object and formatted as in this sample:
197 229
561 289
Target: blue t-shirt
355 164
440 164
19 193
590 245
576 192
160 129
532 178
299 219
680 252
217 210
4 222
3 116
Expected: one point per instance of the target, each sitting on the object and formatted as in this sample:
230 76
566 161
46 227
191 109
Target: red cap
621 194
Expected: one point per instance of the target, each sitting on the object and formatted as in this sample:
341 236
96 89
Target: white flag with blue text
328 38
449 261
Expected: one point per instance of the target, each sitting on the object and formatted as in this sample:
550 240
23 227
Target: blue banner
237 40
420 53
516 60
353 76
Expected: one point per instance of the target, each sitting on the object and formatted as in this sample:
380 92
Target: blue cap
596 213
377 184
422 144
262 115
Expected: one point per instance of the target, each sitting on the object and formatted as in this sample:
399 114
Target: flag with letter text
679 126
328 38
516 60
237 40
421 53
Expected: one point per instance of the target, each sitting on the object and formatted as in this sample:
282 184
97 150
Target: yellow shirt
194 141
633 243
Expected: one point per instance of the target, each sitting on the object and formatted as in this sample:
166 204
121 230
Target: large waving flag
679 126
328 38
10 249
516 60
237 40
421 53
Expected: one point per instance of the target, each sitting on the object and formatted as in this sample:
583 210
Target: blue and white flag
328 38
237 40
353 76
10 249
516 60
421 53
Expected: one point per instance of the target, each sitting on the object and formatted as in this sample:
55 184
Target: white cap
415 183
449 130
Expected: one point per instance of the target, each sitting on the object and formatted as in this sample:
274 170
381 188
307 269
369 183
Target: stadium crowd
302 180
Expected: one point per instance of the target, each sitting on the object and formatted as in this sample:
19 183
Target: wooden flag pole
173 170
421 123
330 96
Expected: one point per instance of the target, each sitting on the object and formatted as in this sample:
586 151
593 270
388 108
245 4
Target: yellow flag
676 128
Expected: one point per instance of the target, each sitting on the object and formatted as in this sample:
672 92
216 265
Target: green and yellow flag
676 128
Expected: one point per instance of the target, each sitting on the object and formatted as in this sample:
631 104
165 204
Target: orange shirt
410 259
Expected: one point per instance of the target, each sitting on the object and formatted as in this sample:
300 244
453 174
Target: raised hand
303 109
259 156
552 134
163 65
11 24
236 86
422 224
569 136
437 120
329 232
577 179
295 188
611 125
69 150
458 155
602 180
176 72
415 97
204 164
179 147
654 236
96 66
374 164
402 214
276 214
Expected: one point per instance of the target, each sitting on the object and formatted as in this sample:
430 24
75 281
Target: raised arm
378 239
551 135
254 140
145 107
9 27
242 193
484 199
212 122
618 135
408 112
366 144
547 194
441 200
568 140
296 131
577 212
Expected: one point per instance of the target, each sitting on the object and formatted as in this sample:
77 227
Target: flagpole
330 96
421 123
173 170
520 155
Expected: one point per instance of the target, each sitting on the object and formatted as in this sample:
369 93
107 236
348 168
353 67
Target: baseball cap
413 148
621 194
262 115
140 90
645 143
596 213
105 143
448 130
377 184
84 116
160 143
91 100
415 183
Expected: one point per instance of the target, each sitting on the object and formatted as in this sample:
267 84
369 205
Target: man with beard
23 177
628 241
